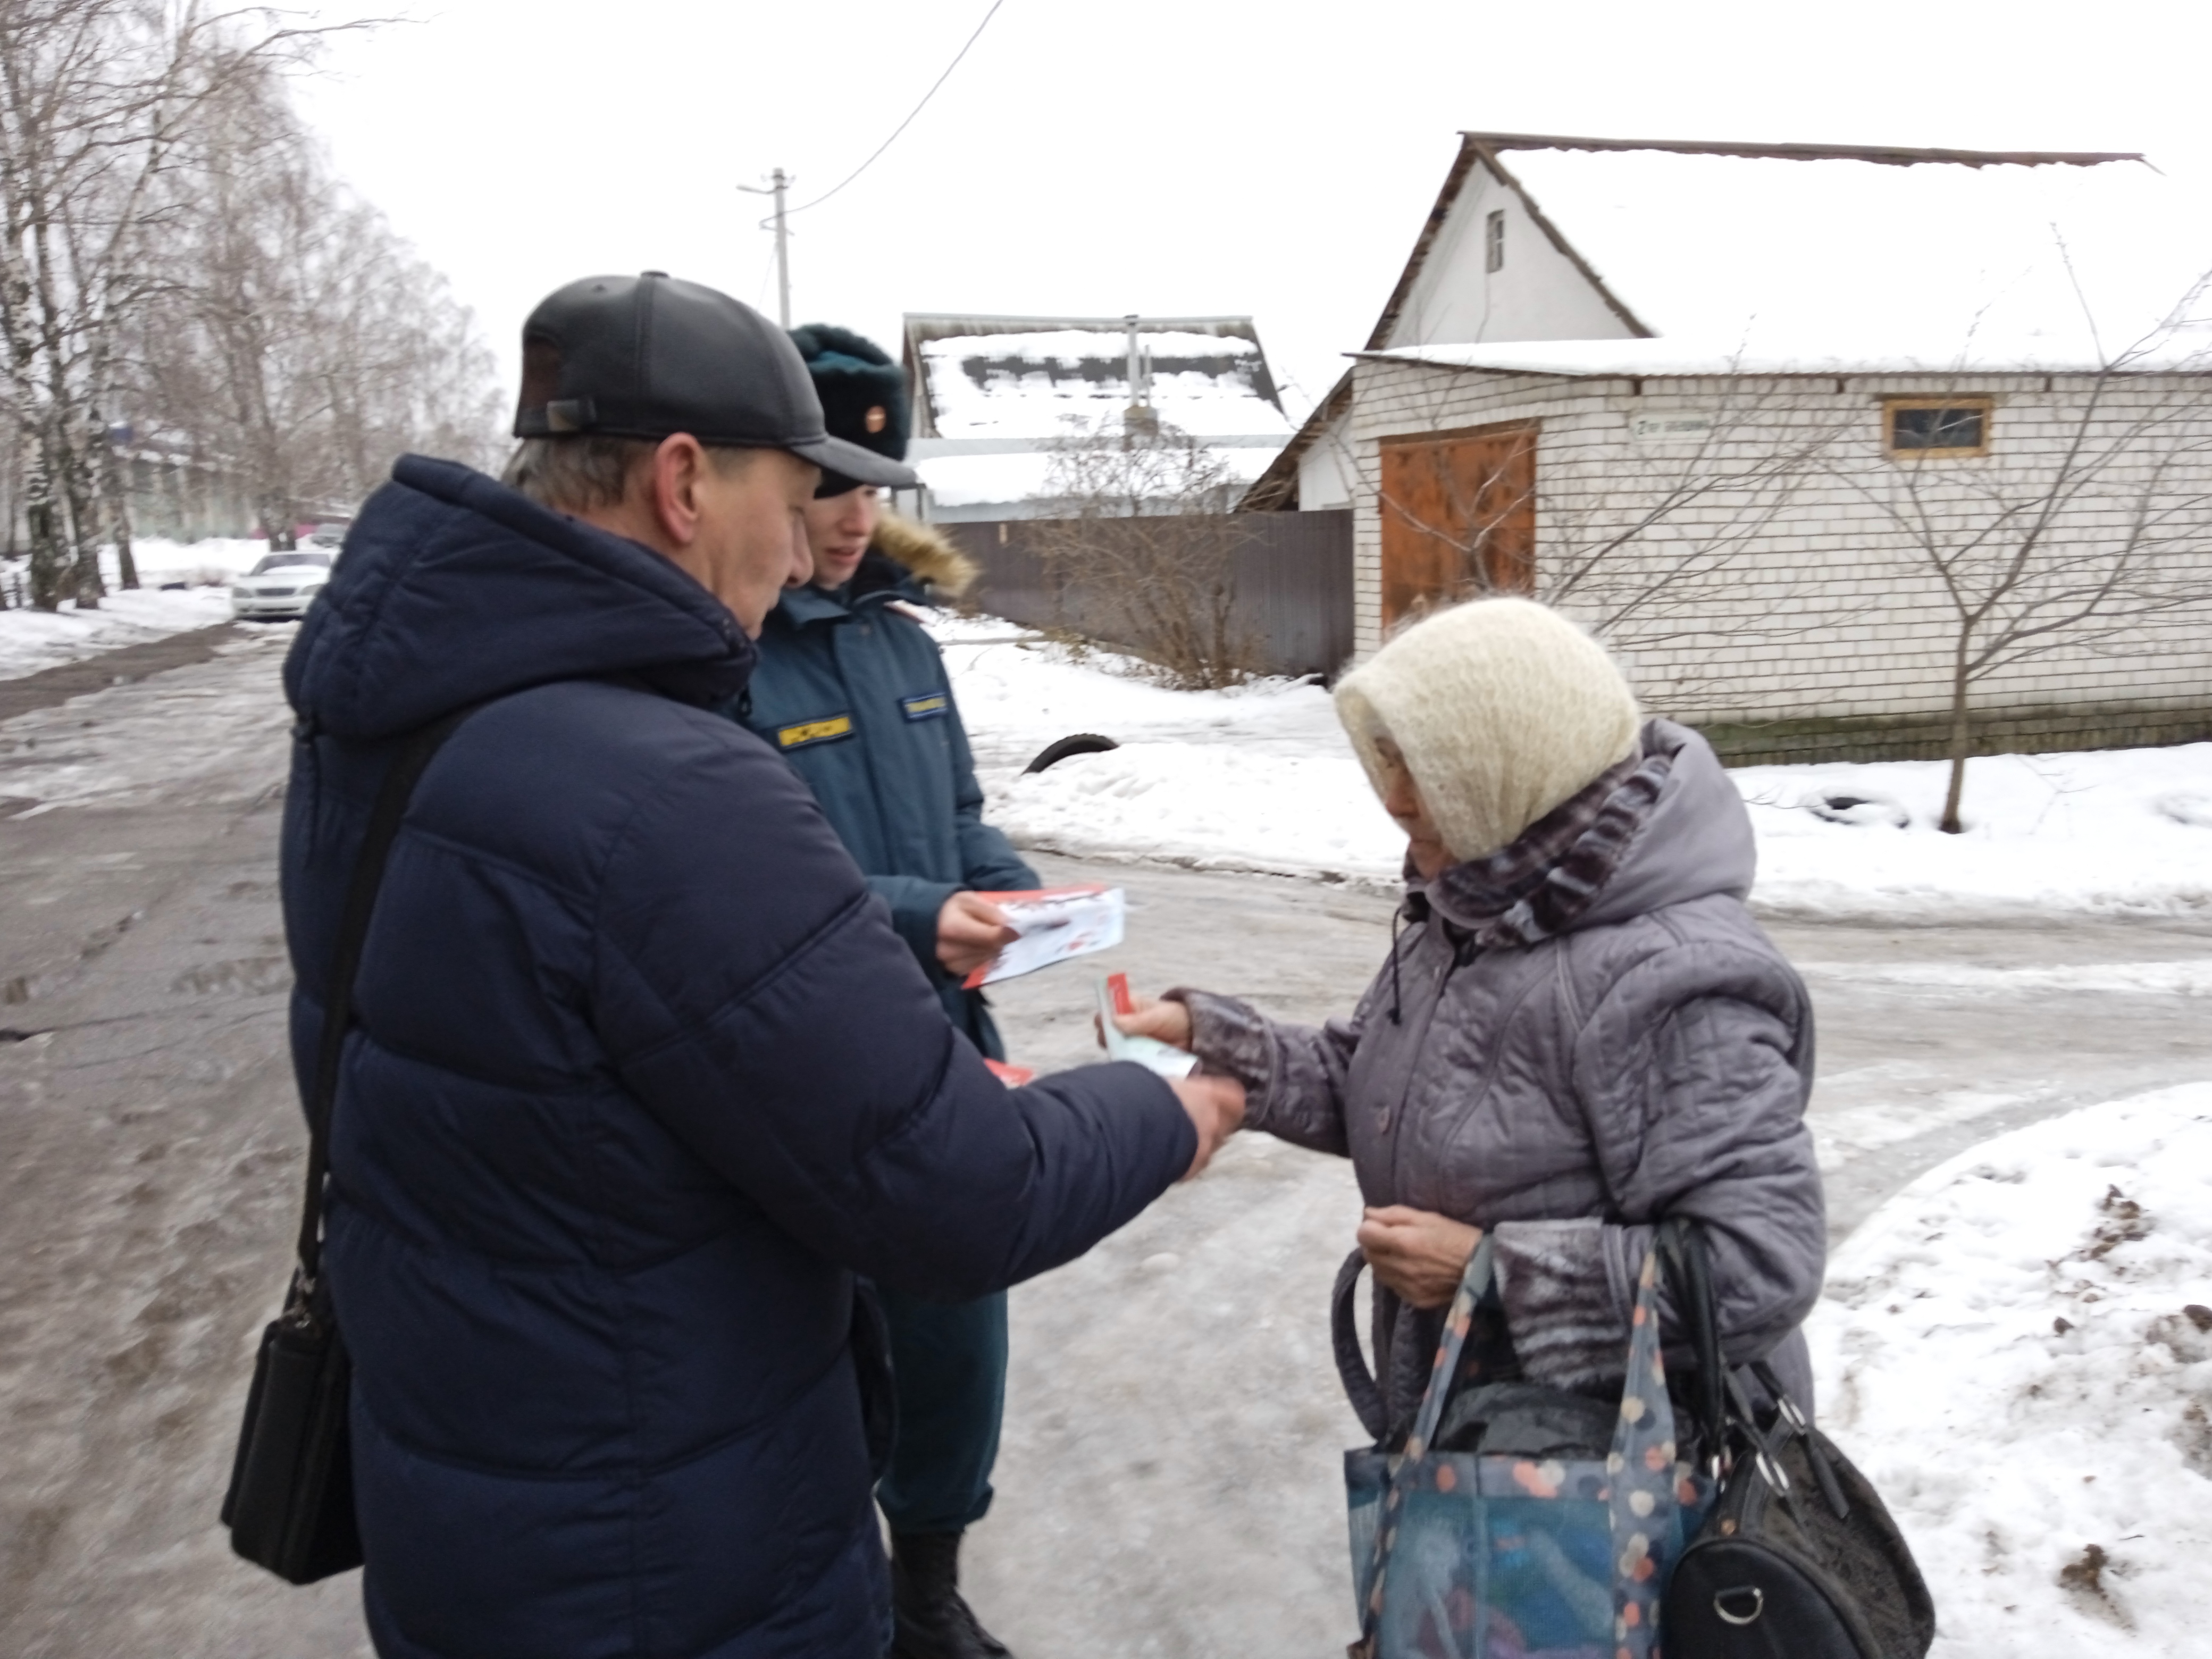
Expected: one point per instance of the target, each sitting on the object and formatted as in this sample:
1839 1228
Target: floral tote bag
1463 1555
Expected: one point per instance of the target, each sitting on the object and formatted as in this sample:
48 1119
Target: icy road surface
1169 1481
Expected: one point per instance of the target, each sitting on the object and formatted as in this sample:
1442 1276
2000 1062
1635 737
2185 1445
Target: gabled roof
1829 249
1477 148
985 378
1846 256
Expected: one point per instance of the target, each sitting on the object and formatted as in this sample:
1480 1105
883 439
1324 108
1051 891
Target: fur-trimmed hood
926 554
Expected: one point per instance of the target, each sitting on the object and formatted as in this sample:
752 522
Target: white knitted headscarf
1503 709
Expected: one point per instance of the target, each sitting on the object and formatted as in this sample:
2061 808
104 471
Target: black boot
933 1621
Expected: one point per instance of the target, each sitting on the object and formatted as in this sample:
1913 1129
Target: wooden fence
1293 574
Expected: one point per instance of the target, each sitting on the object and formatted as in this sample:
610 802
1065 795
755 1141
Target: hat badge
875 418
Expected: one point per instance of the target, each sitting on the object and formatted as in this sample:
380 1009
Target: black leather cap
650 355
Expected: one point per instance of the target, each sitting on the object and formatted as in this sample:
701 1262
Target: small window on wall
1935 429
1493 242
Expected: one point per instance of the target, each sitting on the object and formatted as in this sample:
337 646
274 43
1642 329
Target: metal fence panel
1293 585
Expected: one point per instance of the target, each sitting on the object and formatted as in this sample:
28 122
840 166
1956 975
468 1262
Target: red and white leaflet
1056 924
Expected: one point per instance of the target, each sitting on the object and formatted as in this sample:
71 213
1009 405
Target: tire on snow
1082 743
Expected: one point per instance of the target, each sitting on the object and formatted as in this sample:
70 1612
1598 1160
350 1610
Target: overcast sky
1173 157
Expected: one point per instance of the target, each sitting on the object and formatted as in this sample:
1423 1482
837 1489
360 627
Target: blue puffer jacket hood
386 649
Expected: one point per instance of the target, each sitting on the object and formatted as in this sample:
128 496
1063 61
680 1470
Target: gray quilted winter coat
1576 1036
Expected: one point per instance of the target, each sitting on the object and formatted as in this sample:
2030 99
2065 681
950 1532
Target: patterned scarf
1537 887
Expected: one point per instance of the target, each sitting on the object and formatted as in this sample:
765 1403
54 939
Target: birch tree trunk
115 504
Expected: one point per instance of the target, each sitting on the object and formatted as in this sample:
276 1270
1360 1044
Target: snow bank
210 563
1261 779
33 640
2091 832
2018 1351
1210 808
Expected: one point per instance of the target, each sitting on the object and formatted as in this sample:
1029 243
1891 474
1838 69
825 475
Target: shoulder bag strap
384 819
1681 1244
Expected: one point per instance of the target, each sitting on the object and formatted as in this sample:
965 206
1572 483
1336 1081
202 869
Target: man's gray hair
576 474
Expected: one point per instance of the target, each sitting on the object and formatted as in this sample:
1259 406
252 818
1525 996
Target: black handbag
289 1507
1798 1559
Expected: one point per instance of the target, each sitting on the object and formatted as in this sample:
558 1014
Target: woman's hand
1167 1021
1418 1253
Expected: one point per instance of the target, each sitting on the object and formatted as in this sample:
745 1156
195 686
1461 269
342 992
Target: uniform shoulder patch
926 706
806 732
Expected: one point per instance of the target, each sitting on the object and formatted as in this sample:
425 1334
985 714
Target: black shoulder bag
289 1507
1799 1559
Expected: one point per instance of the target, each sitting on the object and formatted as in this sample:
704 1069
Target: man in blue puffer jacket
852 692
605 1156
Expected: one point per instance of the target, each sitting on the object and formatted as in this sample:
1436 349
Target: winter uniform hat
863 394
1503 709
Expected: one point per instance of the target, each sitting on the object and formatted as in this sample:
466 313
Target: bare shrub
1143 548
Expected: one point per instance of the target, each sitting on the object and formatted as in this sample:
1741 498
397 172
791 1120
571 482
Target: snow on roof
1000 377
1860 257
1673 356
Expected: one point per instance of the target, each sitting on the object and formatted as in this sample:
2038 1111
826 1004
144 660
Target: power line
917 109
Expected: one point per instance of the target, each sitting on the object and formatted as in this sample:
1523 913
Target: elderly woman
1580 1032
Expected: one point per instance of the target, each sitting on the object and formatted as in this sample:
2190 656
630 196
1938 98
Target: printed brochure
1056 924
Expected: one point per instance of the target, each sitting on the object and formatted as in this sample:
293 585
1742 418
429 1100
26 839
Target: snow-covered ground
33 640
2018 1351
1261 778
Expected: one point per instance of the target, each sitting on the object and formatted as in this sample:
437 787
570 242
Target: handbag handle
1360 1385
384 820
1474 1283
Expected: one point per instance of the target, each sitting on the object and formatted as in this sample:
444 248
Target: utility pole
1139 418
778 184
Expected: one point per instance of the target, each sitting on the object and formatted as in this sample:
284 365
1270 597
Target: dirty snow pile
1261 779
34 640
2018 1351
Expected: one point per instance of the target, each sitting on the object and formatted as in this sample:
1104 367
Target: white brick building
1734 403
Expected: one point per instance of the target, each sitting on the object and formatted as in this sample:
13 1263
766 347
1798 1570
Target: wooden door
1459 517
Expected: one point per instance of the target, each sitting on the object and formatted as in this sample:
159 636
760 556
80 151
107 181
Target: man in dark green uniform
854 693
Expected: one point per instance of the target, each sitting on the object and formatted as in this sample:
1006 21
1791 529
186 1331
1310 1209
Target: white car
281 584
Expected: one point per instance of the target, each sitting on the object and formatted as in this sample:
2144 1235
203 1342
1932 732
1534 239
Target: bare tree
1143 546
2074 544
301 340
175 258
